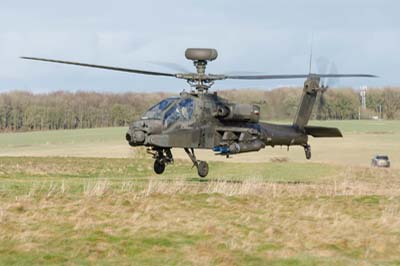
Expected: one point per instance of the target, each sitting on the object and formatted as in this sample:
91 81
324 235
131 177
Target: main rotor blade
303 76
137 71
268 77
346 76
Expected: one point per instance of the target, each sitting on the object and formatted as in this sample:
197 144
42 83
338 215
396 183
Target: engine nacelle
239 112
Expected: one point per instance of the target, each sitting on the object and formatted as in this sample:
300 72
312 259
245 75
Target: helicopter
201 119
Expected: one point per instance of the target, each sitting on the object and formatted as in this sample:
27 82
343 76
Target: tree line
24 111
337 104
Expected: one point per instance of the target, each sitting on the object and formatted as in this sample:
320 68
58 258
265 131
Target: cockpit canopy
181 111
171 110
157 110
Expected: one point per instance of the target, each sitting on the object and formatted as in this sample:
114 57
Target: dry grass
84 211
350 182
351 219
279 159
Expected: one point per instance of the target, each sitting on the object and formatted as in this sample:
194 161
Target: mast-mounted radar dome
201 54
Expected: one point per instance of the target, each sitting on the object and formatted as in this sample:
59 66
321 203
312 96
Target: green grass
18 174
79 136
297 226
362 126
362 140
356 126
72 167
66 137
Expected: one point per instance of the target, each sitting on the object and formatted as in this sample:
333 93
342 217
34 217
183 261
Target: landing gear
162 157
202 166
159 167
307 150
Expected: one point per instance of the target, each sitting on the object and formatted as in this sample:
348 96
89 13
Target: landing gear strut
162 157
307 150
202 166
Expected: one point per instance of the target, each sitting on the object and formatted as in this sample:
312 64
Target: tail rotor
328 67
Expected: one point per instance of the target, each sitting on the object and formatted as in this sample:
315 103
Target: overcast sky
271 37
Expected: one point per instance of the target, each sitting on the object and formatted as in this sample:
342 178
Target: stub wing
323 132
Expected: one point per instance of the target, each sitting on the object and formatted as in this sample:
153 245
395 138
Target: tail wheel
307 150
308 155
202 168
159 167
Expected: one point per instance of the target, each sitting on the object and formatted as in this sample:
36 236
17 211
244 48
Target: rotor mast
200 57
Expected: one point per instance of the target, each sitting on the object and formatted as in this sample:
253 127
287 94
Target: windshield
181 111
382 157
155 112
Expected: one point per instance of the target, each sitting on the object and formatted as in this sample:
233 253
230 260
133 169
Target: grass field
362 140
85 210
115 211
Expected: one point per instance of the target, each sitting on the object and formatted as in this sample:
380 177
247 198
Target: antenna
363 94
311 53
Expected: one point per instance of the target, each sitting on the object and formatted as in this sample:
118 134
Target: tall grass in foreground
350 217
351 181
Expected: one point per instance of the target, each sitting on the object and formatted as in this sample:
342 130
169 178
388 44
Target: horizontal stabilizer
323 132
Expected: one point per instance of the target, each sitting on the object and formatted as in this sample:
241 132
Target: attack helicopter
201 119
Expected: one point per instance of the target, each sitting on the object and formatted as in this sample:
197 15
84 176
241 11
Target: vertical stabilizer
310 91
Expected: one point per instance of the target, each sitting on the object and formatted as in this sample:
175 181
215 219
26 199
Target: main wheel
159 167
202 168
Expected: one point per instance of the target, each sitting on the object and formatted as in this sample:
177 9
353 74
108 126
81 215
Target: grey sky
271 37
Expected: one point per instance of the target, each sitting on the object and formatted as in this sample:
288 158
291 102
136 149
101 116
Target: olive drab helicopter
200 119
